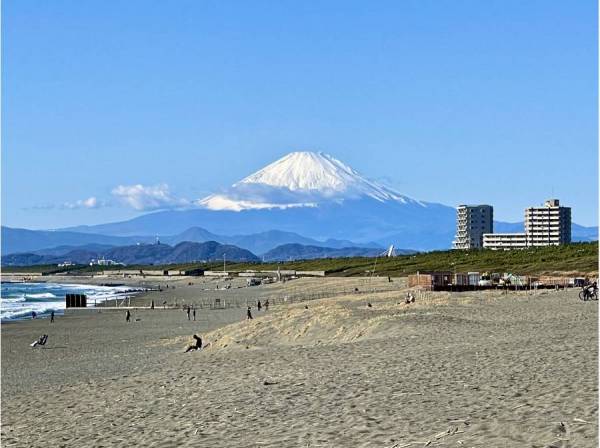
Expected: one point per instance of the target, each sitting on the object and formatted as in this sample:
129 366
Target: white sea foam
20 300
43 295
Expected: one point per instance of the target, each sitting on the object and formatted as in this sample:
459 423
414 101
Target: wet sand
469 369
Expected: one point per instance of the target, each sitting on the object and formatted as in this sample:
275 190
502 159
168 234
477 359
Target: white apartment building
548 225
504 241
472 222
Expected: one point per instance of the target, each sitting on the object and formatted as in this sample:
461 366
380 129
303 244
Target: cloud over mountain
91 202
152 197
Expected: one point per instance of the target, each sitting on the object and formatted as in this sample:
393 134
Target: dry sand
470 369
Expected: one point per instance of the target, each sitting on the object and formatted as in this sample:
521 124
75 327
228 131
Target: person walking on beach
188 312
127 316
198 345
258 305
267 305
33 314
52 316
249 314
194 313
152 305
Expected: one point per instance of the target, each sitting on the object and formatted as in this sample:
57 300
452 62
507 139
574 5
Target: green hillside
577 258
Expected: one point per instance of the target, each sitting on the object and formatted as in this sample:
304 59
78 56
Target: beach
452 369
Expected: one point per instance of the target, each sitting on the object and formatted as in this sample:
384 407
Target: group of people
34 316
192 310
189 310
259 306
409 298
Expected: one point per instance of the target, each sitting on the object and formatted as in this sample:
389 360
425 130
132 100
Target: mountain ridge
184 252
44 242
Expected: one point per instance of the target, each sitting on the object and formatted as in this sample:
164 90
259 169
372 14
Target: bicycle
588 293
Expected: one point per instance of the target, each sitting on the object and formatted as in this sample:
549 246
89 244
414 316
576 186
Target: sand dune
328 321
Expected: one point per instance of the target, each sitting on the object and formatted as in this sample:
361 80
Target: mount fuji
311 194
301 179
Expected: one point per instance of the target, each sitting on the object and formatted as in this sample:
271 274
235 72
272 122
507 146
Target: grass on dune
576 258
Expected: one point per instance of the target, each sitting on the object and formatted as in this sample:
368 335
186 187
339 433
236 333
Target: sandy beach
475 369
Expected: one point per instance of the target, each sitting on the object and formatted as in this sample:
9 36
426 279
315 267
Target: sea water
18 300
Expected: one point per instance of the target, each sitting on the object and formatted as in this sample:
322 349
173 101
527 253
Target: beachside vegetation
575 258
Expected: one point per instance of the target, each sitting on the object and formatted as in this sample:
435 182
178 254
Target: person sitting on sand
249 313
41 341
198 345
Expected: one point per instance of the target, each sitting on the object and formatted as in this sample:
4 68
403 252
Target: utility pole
223 263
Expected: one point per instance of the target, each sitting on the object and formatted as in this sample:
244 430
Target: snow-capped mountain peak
300 179
305 171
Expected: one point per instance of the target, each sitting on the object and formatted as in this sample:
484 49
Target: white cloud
91 202
142 197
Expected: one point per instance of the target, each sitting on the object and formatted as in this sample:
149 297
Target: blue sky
446 101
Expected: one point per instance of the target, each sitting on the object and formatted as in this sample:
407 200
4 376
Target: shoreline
22 299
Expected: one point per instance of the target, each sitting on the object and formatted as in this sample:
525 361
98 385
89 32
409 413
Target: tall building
472 221
549 225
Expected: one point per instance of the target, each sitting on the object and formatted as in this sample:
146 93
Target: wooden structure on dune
430 281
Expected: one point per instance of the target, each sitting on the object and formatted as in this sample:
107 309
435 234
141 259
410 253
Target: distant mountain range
45 242
309 194
318 197
305 198
35 241
185 252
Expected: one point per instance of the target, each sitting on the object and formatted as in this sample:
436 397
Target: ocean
18 300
